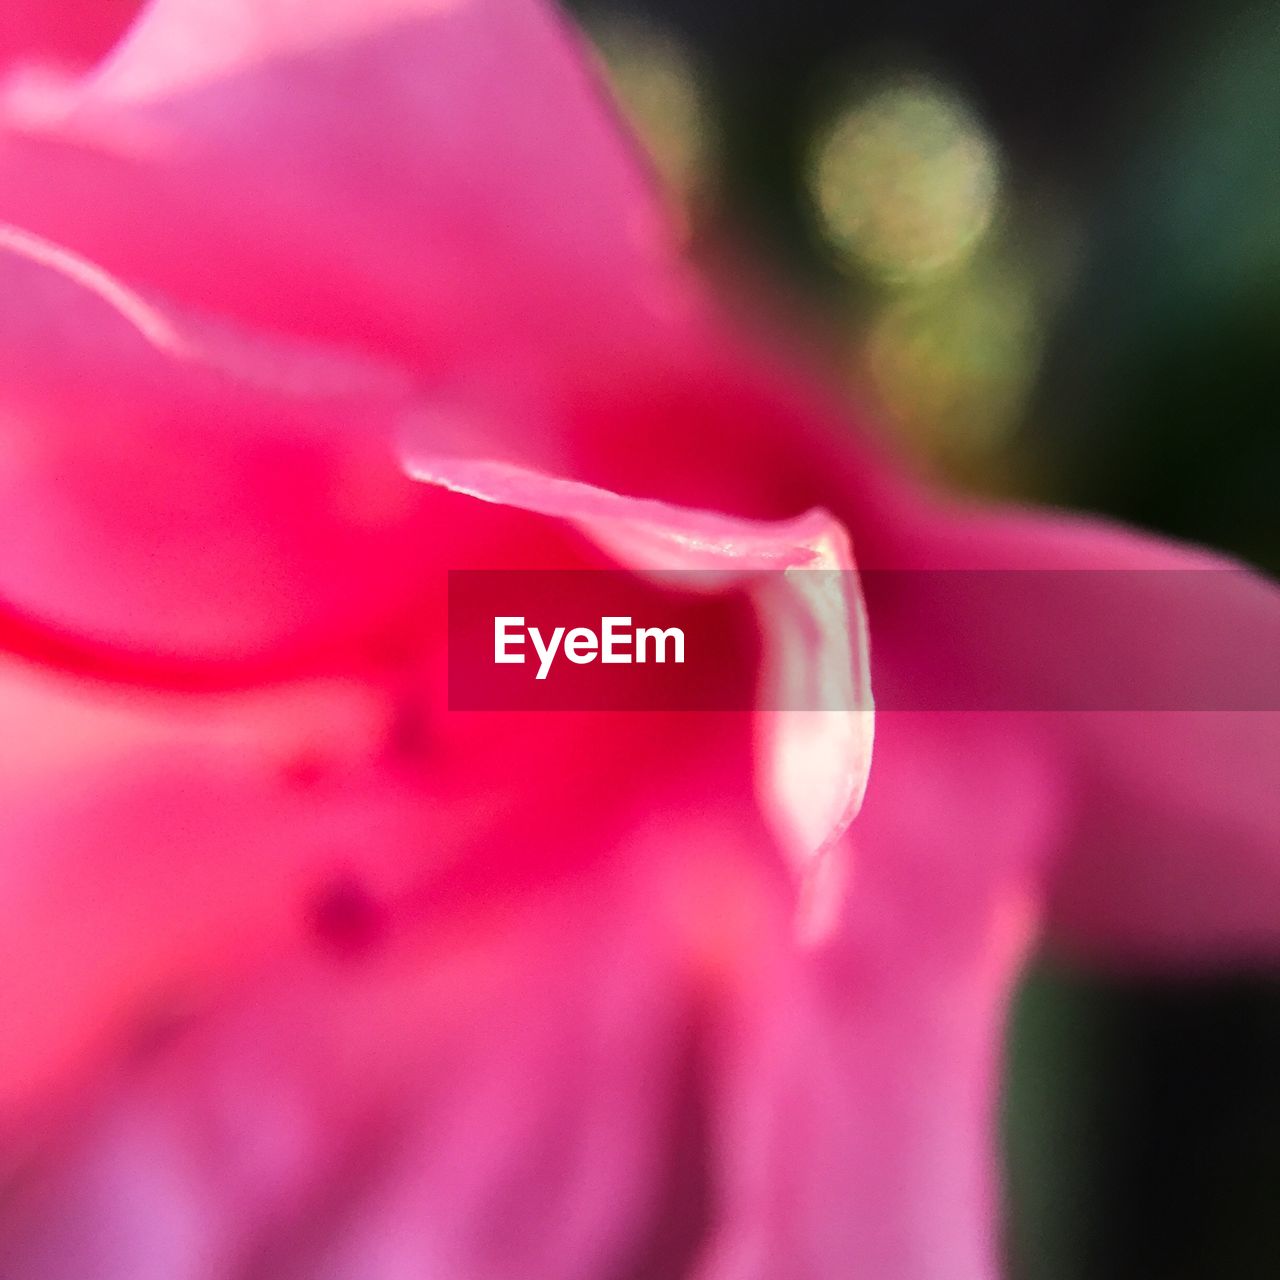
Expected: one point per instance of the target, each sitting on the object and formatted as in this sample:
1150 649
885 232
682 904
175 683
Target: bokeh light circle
905 179
954 364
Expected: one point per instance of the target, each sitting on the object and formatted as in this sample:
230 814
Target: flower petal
157 838
64 33
187 493
509 1092
1172 848
634 1071
425 178
150 843
813 760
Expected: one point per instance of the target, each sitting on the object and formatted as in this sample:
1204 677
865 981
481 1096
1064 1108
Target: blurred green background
1044 241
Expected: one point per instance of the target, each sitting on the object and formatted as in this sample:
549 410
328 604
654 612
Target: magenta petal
472 107
813 762
186 491
152 843
62 33
522 1092
427 179
860 1131
157 843
632 1071
1171 850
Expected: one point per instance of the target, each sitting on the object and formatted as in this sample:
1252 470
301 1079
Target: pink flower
68 35
304 975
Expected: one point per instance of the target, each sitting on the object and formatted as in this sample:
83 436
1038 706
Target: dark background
1110 342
